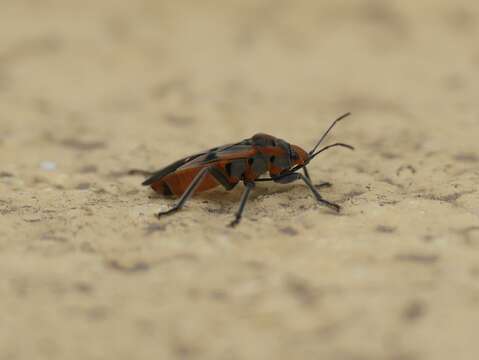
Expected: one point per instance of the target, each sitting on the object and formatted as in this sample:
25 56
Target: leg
221 178
139 172
187 194
244 197
323 185
320 185
296 176
317 195
306 173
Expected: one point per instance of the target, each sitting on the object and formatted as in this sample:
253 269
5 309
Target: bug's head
298 156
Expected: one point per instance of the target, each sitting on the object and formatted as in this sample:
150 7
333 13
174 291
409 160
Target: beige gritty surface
91 89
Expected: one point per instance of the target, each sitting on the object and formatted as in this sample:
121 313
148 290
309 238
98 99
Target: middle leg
244 198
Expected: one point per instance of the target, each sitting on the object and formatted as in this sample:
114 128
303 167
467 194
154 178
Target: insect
245 161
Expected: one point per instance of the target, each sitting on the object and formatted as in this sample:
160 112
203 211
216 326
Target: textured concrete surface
91 89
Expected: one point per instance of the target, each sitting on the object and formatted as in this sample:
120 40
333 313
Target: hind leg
187 194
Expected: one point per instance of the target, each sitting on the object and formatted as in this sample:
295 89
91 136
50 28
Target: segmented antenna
327 131
327 147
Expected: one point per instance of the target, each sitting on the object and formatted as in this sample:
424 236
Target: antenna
327 147
327 131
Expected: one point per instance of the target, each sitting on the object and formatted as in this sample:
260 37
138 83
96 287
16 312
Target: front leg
323 185
319 186
296 176
306 172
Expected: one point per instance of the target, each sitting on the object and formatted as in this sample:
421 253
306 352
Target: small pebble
48 165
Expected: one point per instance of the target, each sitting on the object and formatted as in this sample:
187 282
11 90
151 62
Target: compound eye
294 155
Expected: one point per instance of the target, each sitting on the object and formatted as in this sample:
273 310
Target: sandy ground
91 89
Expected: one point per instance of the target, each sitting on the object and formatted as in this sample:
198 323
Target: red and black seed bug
246 162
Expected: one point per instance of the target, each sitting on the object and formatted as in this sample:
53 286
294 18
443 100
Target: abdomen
177 182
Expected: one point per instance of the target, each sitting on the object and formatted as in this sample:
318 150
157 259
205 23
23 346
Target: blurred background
91 89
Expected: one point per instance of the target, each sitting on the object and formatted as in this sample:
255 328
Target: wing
225 152
169 169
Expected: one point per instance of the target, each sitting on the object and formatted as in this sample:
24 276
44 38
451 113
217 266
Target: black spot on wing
259 164
237 168
283 144
211 156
